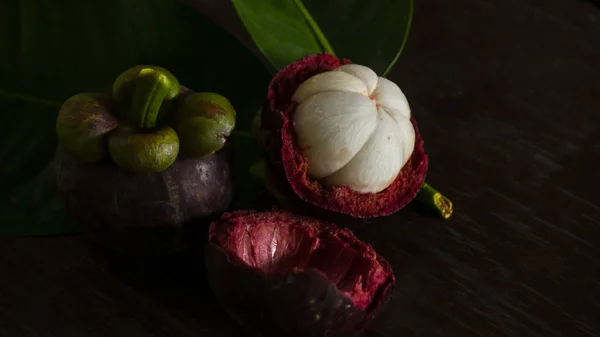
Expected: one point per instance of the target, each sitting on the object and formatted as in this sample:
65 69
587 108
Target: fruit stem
148 96
433 199
141 92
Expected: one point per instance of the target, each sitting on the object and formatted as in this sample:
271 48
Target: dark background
507 97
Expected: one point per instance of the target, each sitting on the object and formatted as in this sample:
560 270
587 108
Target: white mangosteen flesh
354 128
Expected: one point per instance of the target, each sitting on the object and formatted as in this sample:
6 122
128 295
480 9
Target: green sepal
82 126
143 151
203 122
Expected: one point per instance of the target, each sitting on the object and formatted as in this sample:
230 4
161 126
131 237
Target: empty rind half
300 276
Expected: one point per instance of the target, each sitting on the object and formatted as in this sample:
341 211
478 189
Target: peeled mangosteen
135 165
280 274
340 139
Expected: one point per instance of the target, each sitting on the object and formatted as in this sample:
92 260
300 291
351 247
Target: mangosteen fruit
340 139
137 164
280 274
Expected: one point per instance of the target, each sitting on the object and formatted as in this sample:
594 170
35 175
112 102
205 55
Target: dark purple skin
285 308
143 214
298 302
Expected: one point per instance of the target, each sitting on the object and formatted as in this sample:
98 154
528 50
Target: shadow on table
177 283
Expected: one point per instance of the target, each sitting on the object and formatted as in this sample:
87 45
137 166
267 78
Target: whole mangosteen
340 139
137 164
280 274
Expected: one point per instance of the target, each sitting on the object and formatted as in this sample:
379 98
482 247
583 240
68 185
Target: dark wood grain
507 95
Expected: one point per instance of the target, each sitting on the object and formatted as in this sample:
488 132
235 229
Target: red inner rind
278 243
340 199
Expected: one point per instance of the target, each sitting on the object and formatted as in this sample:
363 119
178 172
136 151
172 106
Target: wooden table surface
507 95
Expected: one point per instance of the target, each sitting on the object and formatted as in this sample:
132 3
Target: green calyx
146 124
203 122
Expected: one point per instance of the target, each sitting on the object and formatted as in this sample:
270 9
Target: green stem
315 27
146 102
27 98
141 91
433 199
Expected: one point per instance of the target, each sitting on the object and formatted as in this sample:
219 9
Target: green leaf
368 32
283 30
50 51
